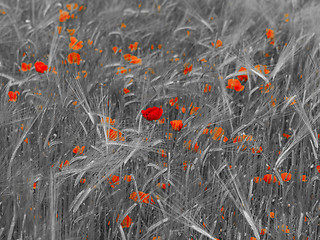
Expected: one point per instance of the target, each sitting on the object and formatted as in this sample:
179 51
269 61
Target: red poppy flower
243 77
134 46
257 179
286 176
75 44
235 84
63 164
64 15
217 133
13 96
144 197
153 113
127 221
79 150
269 33
115 180
74 58
218 43
127 178
268 178
40 67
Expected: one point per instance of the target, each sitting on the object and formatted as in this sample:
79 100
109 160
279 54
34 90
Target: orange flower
127 178
187 69
163 153
318 168
64 15
113 135
269 33
235 84
71 31
173 101
72 6
133 47
64 164
176 125
40 67
79 150
243 77
135 60
123 25
271 214
259 150
26 140
266 88
263 231
286 135
25 67
115 49
162 185
185 165
74 58
75 44
286 177
265 70
273 101
207 88
258 68
13 96
34 185
218 43
108 120
132 59
115 180
257 179
303 178
285 229
143 197
196 147
194 110
127 221
161 121
217 133
126 90
268 178
83 180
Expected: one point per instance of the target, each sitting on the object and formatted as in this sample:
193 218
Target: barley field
159 119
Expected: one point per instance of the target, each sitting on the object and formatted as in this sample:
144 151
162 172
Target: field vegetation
159 119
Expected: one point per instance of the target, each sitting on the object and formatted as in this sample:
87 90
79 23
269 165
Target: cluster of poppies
155 113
